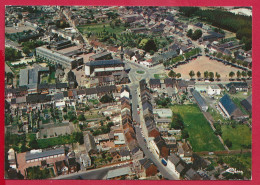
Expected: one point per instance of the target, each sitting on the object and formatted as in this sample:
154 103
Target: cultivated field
202 137
203 64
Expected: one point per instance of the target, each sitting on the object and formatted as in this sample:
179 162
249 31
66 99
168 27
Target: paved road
96 174
164 171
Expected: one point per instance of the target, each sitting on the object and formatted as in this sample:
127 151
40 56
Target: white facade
224 110
87 70
214 90
172 168
154 148
124 94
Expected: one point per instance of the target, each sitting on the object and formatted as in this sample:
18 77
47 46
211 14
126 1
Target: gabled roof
45 153
147 105
192 175
154 81
198 98
58 96
228 104
174 159
90 91
180 168
89 142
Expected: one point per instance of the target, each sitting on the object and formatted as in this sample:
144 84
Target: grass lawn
140 72
160 76
50 142
240 135
216 115
96 28
202 137
237 102
241 162
94 101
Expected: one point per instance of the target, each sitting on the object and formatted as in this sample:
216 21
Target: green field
240 135
97 28
241 162
140 72
160 76
202 137
216 115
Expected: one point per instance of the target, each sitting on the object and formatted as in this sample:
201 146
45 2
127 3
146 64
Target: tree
81 117
9 76
33 144
106 98
211 75
184 134
178 75
244 74
177 122
228 143
217 75
26 50
172 74
196 35
231 74
238 74
148 45
191 73
198 74
219 55
206 74
189 33
249 73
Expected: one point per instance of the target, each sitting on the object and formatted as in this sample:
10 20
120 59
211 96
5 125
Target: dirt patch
203 64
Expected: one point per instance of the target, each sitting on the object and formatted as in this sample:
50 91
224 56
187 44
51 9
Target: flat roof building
58 58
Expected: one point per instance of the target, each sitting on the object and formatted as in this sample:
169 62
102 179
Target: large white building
214 90
58 58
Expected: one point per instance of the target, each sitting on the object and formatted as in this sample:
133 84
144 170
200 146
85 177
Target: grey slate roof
89 142
104 62
199 99
174 159
46 153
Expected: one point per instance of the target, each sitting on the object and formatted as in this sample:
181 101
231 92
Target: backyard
201 136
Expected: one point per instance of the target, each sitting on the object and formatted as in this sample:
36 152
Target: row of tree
229 58
239 74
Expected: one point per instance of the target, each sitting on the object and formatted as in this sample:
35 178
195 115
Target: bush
228 143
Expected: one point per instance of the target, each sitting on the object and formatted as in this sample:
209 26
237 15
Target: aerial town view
128 92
